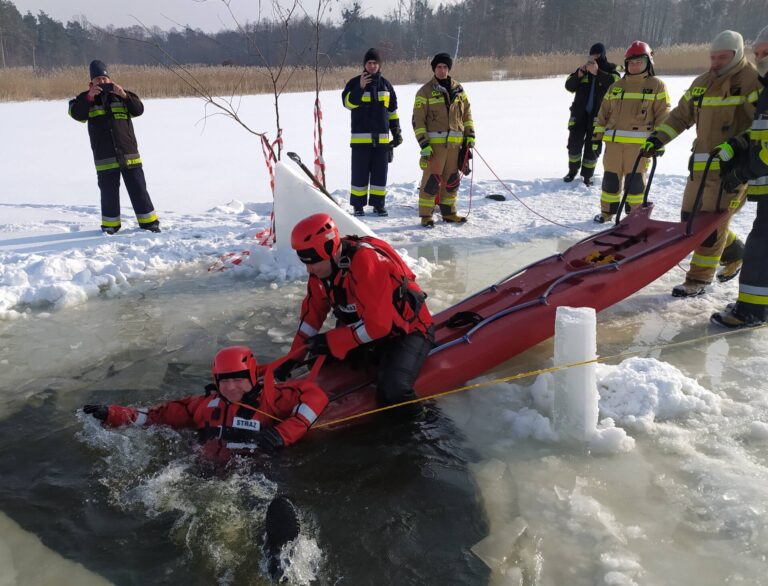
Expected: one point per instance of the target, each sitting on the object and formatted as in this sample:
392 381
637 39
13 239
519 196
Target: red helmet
638 49
234 362
315 238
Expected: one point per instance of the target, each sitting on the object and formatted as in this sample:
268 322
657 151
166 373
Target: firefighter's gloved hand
733 180
283 371
652 147
470 141
100 412
318 345
426 152
391 154
397 137
269 440
726 152
597 147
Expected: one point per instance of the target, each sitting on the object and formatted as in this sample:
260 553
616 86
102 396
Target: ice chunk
495 549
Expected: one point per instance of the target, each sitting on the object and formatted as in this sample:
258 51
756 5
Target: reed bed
25 83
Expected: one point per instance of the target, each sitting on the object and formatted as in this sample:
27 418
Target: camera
107 87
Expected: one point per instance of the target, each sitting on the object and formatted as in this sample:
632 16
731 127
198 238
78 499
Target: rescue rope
537 372
513 194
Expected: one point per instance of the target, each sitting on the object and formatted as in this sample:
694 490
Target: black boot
568 178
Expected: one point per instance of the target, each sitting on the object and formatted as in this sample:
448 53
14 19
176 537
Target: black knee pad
635 183
711 239
610 182
433 185
733 252
453 183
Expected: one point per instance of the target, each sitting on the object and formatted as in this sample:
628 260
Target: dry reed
24 83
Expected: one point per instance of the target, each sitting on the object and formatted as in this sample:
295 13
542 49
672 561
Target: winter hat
597 49
729 41
97 69
372 55
443 58
762 64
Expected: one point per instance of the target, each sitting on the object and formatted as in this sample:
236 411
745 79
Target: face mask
762 66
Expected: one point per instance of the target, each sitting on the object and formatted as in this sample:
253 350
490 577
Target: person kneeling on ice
238 413
375 298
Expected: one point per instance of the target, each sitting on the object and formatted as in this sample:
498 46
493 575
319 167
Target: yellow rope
531 373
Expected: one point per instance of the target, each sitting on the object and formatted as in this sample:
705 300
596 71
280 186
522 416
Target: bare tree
279 74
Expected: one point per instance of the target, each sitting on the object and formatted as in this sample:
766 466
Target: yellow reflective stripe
634 199
730 237
752 97
764 152
447 140
687 96
122 109
394 116
598 130
635 96
758 134
729 101
349 105
662 96
424 202
754 299
109 222
587 164
147 219
121 116
136 161
699 165
610 197
358 190
436 101
107 166
705 261
96 112
361 141
623 139
420 131
377 191
419 101
574 158
668 130
469 124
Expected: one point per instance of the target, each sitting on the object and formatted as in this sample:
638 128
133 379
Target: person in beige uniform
631 109
721 103
442 122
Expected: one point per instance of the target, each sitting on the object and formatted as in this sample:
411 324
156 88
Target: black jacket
110 129
606 75
374 110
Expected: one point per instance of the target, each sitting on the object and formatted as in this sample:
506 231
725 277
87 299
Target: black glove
597 147
397 137
269 440
652 147
318 345
100 412
283 371
733 180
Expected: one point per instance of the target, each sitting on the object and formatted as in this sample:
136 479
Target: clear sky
208 15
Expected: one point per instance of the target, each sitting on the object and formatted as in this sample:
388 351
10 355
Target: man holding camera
108 109
373 103
589 84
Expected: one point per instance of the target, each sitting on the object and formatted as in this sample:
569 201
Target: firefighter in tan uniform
631 109
721 103
745 159
442 122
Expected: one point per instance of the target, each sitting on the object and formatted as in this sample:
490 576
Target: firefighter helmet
235 362
638 49
315 238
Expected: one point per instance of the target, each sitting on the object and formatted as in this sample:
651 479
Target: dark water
387 502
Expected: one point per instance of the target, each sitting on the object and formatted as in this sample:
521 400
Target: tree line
412 30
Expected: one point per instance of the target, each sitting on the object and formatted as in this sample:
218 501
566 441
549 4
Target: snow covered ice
674 491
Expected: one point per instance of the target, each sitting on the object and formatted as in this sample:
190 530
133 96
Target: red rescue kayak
501 321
